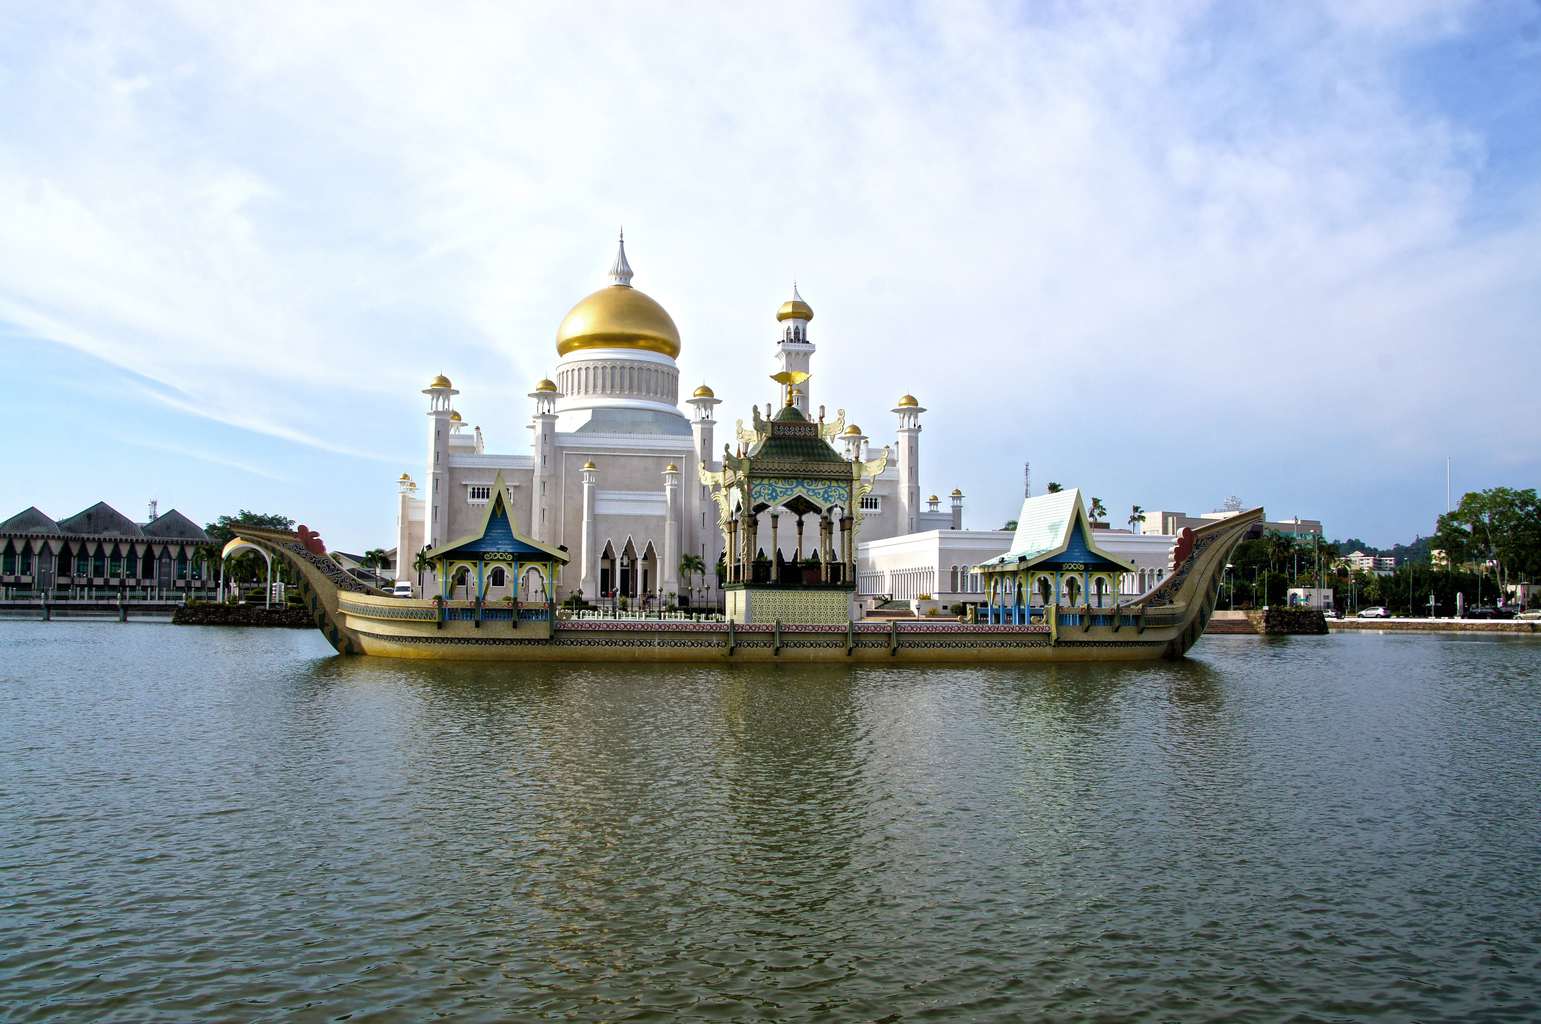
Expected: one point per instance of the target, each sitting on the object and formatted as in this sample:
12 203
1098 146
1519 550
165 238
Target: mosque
622 480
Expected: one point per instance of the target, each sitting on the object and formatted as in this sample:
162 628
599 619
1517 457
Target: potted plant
925 605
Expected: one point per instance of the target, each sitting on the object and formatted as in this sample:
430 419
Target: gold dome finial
956 493
545 384
671 468
908 402
590 465
454 416
853 431
440 381
794 308
703 392
404 478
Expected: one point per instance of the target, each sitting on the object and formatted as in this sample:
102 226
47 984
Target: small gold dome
671 468
441 381
956 493
618 317
908 402
545 384
454 416
933 498
853 431
703 392
794 309
590 465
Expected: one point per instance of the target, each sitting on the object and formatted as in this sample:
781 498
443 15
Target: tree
1501 526
420 565
1099 511
1136 517
1054 488
224 528
692 566
374 558
1010 524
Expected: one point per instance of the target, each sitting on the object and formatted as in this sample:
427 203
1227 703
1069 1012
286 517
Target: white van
402 589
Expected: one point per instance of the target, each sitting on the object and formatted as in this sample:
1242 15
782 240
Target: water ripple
218 824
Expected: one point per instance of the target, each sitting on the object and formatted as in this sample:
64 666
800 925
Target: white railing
615 615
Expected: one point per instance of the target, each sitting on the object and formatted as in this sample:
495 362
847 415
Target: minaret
855 442
908 411
405 555
441 417
957 509
588 578
671 531
793 350
543 486
701 536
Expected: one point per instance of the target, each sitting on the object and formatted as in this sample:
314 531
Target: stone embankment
1269 622
1521 626
241 615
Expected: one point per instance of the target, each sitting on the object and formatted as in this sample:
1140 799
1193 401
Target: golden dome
794 309
908 402
703 392
405 478
590 465
441 381
853 431
454 416
545 384
933 498
618 317
956 493
671 468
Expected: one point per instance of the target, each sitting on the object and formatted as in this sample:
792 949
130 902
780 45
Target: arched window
499 577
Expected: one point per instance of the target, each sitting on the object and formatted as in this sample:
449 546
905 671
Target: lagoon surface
214 824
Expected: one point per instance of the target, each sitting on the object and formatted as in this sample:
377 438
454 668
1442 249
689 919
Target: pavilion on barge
1053 561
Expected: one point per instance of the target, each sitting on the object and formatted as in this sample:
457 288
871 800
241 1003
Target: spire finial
620 271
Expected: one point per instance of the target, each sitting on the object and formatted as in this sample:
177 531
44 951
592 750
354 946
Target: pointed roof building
102 520
30 520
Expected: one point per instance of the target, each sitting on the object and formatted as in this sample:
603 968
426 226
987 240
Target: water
206 824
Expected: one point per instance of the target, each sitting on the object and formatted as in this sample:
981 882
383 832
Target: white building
939 563
612 470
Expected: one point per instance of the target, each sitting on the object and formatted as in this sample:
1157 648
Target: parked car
1489 613
402 589
1376 612
1532 615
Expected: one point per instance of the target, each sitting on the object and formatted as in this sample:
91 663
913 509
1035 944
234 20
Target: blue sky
1168 252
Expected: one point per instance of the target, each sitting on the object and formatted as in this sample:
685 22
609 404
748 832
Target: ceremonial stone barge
1053 596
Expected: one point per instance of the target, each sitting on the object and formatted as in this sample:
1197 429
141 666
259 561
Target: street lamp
1228 568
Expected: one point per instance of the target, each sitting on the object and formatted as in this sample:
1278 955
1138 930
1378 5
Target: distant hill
1417 551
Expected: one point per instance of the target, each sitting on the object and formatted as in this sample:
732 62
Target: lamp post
1229 569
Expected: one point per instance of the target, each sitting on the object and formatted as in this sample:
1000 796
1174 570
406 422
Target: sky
1166 252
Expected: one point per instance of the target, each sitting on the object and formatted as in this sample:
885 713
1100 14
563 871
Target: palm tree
1054 488
1010 524
692 566
1099 511
1136 517
420 565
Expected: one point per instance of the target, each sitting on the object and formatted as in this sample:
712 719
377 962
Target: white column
669 573
588 580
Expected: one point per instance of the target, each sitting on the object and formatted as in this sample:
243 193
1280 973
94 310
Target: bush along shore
198 614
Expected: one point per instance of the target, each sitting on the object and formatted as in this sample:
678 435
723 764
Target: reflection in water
1311 829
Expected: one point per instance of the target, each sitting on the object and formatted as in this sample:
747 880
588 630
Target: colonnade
834 547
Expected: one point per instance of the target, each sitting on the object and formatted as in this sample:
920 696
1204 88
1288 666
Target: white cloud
1150 222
